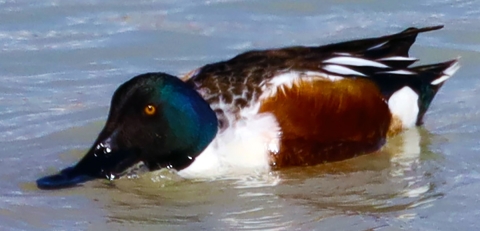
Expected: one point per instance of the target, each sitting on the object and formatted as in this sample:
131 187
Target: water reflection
391 182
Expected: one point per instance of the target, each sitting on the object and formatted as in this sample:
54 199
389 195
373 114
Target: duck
263 110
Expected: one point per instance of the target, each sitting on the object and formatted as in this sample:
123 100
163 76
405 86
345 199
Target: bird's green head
155 119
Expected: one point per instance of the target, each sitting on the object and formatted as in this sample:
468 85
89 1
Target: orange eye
150 110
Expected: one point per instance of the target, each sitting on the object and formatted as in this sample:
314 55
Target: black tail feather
425 81
386 46
434 76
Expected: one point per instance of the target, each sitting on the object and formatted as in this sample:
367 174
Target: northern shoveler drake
263 110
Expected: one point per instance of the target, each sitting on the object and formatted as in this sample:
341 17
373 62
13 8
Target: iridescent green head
154 118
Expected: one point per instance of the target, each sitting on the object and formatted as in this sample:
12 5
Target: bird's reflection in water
393 180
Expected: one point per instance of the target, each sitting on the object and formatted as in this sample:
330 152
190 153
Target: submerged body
264 109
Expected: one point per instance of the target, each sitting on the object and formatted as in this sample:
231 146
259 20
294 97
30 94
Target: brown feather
324 121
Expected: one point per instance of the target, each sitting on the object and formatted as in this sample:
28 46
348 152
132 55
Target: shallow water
60 62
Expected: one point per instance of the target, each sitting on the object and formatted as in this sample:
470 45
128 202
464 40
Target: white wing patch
345 64
398 58
341 70
399 72
354 61
404 104
288 79
377 46
312 75
447 73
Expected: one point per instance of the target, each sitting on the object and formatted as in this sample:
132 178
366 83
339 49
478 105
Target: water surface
60 62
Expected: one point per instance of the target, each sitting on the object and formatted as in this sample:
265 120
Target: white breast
243 148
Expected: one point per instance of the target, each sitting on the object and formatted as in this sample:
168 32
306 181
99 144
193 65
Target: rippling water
60 62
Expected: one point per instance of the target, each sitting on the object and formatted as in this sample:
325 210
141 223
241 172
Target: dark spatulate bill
63 179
